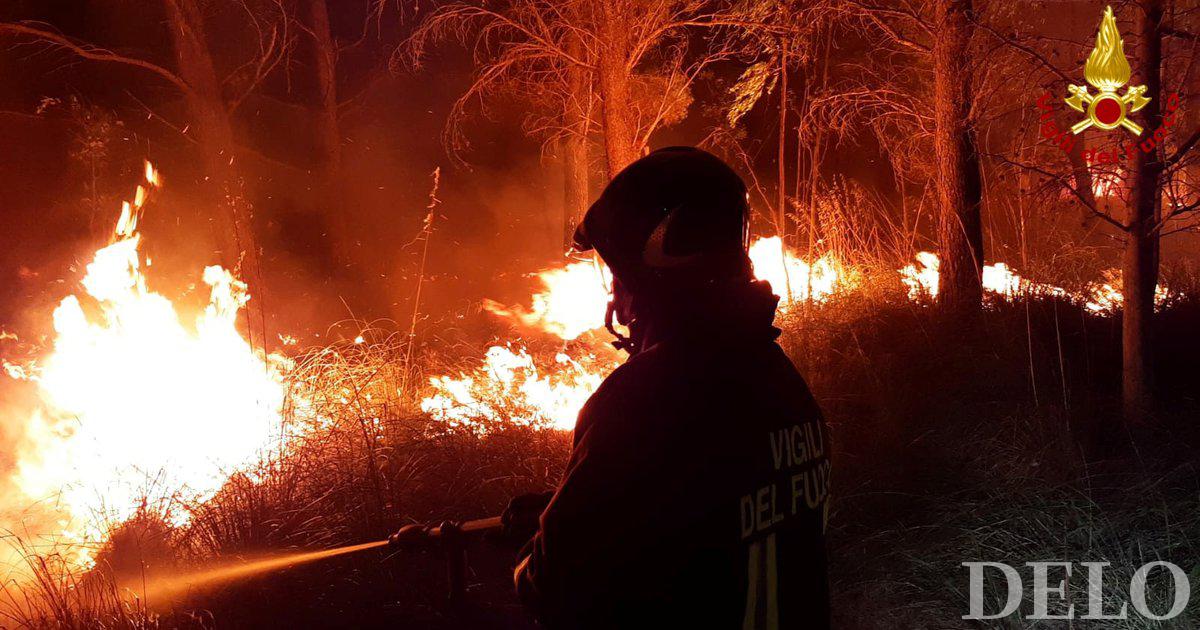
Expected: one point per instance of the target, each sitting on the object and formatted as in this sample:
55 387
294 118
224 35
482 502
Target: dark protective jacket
696 492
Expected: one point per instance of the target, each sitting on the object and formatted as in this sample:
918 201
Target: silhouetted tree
211 99
959 180
635 56
1159 198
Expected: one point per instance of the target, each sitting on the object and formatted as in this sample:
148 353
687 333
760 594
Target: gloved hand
519 522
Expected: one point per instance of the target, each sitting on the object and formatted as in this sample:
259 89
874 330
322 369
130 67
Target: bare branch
1179 34
274 44
92 52
1187 145
1012 42
874 14
1062 181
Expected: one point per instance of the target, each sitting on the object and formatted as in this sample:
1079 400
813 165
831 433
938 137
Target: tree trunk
574 145
230 219
211 125
1080 171
326 129
575 184
1140 270
620 132
959 181
781 208
328 134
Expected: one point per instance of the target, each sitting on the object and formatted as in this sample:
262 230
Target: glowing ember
137 402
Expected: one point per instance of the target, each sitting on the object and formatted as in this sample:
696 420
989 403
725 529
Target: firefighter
696 494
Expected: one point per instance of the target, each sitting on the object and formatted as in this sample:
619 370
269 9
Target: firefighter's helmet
675 219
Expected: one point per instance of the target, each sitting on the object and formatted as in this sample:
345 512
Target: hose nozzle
409 536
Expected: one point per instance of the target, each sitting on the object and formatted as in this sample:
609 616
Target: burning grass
343 444
363 459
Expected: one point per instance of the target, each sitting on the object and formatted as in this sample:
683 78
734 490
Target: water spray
170 585
450 536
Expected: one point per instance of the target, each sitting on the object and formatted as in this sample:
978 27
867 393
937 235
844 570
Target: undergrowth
995 442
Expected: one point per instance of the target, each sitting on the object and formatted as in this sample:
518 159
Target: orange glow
574 297
572 302
921 278
791 276
510 387
1104 297
135 401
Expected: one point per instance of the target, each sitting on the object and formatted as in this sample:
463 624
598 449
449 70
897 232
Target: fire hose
451 537
515 527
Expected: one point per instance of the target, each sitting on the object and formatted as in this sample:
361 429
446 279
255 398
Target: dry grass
949 448
360 462
54 594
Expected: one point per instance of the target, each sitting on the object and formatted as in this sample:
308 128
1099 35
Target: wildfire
1104 297
921 278
135 402
509 385
572 301
792 277
573 298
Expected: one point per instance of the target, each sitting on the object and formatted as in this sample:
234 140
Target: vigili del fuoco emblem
1107 70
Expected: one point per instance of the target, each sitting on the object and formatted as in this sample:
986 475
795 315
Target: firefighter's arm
588 532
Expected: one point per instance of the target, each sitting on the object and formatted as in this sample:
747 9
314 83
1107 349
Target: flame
1104 298
572 301
1107 68
922 276
573 298
135 401
792 277
1101 298
509 387
1105 182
